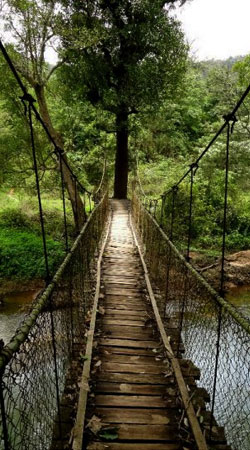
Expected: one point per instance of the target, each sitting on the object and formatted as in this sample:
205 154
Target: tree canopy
126 55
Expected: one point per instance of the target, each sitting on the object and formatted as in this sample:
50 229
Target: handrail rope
239 318
22 332
28 97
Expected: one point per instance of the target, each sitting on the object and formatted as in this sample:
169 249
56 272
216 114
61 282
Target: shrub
14 218
21 255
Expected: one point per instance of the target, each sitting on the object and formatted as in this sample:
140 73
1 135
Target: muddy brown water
15 304
240 298
12 310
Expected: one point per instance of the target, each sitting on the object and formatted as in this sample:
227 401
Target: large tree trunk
76 201
121 159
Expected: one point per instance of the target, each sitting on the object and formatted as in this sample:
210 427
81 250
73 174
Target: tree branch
26 74
59 64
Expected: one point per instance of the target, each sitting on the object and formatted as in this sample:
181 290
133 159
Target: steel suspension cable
194 168
222 270
46 262
64 205
28 97
45 251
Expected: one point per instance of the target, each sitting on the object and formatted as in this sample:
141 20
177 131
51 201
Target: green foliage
14 218
126 51
21 247
21 254
212 90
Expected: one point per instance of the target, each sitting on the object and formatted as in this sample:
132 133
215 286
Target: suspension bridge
127 346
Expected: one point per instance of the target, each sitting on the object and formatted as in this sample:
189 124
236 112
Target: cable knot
175 189
27 98
194 167
58 150
230 118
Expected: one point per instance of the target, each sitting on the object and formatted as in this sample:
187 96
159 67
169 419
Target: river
16 304
240 298
12 311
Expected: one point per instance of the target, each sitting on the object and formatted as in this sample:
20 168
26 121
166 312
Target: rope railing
80 197
174 208
203 317
214 334
34 364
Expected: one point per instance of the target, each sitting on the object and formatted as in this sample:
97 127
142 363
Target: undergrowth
21 245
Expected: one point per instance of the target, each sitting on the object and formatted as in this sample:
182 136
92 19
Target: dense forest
125 92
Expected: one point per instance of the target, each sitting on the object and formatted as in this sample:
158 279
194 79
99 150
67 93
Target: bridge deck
134 402
133 392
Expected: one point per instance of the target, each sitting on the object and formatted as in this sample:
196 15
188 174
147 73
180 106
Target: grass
21 255
21 246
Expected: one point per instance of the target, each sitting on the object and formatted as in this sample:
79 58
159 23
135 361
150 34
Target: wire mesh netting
214 334
35 362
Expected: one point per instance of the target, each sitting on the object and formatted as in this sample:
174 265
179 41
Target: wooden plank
125 351
136 378
128 313
129 388
133 359
120 252
135 415
129 343
115 285
134 335
126 300
129 331
114 255
128 446
129 300
132 368
124 277
139 306
131 432
123 292
134 401
125 322
131 318
132 298
121 281
109 264
119 271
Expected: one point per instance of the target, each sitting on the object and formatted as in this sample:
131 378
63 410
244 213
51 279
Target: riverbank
13 286
236 269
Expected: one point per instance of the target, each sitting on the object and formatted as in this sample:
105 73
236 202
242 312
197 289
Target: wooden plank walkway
133 391
133 402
